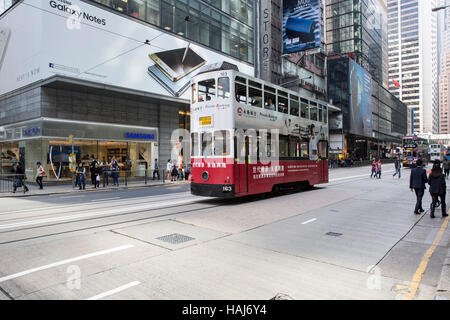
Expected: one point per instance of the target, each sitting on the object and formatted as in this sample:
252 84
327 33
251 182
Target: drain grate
175 238
333 234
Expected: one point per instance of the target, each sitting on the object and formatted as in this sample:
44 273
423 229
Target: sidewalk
443 288
67 188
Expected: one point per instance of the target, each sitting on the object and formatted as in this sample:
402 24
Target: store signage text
66 6
139 136
30 132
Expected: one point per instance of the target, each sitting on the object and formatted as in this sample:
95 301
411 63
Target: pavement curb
24 195
443 287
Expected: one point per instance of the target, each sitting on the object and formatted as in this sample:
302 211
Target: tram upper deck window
304 108
240 89
206 144
294 105
320 113
313 111
221 143
194 141
283 102
269 98
194 92
206 90
325 114
223 86
254 94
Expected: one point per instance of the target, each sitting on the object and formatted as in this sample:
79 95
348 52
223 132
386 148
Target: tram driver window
221 143
269 98
206 144
206 90
223 86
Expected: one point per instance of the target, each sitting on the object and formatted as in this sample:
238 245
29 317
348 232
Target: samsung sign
139 136
75 11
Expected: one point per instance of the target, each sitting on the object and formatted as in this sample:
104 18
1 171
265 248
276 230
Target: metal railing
8 181
354 164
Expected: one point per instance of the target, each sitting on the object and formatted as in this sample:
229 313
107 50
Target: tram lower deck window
194 141
206 144
221 143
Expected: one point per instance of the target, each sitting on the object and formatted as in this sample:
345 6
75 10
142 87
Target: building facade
373 120
106 72
413 64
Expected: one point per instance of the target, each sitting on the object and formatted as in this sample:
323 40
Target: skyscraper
413 73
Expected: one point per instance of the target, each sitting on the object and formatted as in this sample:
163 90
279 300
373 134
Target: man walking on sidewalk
417 182
156 170
19 178
81 181
40 173
398 168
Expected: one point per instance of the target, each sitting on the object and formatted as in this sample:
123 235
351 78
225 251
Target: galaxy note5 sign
77 14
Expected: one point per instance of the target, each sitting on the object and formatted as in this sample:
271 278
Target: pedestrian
97 172
19 178
115 171
187 172
174 173
156 170
105 172
40 173
92 170
169 168
438 189
374 169
447 168
379 168
398 166
81 172
417 182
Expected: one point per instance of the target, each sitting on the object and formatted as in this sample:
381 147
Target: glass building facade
359 27
223 25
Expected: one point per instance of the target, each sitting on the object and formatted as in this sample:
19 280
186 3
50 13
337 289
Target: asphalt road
354 238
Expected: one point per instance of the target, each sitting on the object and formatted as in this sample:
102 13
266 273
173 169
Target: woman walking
438 189
40 173
374 169
96 173
379 168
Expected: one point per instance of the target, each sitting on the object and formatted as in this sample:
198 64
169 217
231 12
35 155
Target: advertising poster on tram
301 25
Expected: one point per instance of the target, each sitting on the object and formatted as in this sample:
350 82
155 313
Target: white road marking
97 213
359 176
312 220
106 199
59 263
114 291
67 197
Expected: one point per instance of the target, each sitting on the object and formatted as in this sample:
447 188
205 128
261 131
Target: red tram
249 136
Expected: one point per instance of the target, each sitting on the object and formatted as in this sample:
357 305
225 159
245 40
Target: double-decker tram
249 136
436 152
414 148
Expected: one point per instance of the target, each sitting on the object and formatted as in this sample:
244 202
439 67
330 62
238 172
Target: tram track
99 226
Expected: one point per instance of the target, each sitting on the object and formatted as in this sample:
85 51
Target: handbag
97 178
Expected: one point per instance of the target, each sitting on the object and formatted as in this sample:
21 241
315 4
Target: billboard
360 84
82 41
335 121
301 25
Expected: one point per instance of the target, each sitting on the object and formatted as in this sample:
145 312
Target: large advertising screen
360 83
84 41
301 25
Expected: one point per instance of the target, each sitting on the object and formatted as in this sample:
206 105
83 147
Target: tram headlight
205 175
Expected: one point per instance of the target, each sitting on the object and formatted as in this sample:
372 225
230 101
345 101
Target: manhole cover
333 234
175 238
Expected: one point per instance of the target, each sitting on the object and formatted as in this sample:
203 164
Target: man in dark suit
417 182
